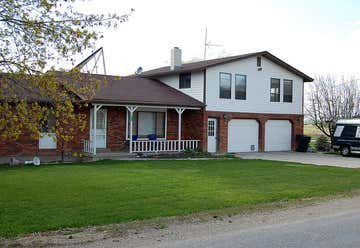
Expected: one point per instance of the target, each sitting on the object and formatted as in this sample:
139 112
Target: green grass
312 131
57 196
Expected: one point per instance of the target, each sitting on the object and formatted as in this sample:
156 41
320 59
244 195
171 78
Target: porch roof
141 91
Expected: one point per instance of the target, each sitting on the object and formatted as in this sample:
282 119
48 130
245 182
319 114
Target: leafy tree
330 99
33 34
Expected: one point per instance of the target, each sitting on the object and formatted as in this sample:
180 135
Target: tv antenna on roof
91 63
208 44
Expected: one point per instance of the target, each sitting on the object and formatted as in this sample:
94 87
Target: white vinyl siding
197 84
257 88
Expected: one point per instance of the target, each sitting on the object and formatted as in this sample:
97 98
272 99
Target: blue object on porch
152 136
134 137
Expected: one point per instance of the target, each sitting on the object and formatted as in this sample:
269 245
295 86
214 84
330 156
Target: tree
330 100
33 34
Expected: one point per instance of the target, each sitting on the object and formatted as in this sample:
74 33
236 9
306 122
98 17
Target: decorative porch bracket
179 110
131 109
96 109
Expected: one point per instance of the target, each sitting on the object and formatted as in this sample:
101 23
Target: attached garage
277 135
243 135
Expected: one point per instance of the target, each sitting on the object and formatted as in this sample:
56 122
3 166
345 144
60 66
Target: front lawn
57 196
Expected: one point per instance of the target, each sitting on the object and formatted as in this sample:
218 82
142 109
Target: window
146 123
349 132
184 81
357 132
225 85
49 124
288 90
338 131
275 90
258 61
240 87
211 128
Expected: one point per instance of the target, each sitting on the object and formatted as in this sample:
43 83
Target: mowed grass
57 196
312 131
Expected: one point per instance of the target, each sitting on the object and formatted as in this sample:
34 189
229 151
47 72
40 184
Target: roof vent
175 58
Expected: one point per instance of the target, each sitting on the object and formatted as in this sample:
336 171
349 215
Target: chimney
175 58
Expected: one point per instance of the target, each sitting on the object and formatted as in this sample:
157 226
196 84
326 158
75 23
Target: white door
277 135
101 117
243 135
212 135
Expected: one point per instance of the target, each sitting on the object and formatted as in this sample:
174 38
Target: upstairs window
258 61
240 87
185 81
288 90
225 85
275 90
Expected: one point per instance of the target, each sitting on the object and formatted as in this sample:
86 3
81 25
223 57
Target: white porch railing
163 145
88 146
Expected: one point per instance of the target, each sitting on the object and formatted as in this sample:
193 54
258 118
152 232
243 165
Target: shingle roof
141 91
113 89
201 65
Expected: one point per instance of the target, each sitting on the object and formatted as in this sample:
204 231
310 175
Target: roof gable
201 65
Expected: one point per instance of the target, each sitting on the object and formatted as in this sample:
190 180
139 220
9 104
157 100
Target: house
251 102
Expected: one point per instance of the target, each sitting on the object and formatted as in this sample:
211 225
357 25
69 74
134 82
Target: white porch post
96 108
179 111
131 109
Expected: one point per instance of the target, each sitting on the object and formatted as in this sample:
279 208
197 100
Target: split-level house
245 103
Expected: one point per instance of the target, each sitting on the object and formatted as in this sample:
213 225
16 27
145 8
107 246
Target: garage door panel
243 135
278 135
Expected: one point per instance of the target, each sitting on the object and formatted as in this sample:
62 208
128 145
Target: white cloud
239 26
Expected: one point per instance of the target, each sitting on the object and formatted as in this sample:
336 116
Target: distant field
312 131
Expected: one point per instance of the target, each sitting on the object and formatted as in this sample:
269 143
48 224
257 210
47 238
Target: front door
212 135
101 116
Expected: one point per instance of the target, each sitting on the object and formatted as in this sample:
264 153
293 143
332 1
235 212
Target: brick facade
194 126
223 118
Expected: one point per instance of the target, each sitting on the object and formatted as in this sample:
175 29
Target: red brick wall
194 126
25 145
191 124
297 122
116 128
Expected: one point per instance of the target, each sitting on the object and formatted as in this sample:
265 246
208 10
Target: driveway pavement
306 158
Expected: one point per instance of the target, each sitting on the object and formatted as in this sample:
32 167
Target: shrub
196 153
322 144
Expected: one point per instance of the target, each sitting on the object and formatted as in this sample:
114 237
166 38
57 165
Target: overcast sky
316 37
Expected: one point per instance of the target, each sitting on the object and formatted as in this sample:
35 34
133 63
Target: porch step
103 150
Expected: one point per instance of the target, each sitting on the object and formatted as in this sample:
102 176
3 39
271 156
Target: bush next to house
322 143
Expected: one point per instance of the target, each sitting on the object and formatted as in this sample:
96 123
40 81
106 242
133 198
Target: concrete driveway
306 158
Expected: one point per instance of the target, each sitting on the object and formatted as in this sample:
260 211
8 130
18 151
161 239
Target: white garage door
277 135
243 136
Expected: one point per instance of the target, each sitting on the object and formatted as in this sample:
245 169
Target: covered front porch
133 128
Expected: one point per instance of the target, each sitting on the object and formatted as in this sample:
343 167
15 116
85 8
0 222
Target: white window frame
146 110
44 145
